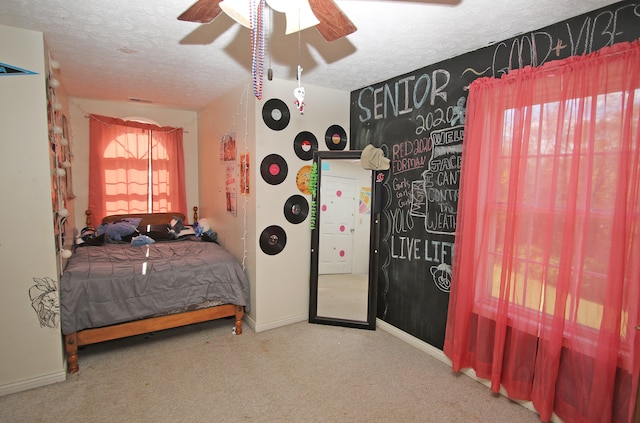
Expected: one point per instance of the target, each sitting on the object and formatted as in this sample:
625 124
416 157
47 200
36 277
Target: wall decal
44 300
13 70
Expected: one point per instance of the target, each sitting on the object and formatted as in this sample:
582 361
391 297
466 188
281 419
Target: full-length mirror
343 242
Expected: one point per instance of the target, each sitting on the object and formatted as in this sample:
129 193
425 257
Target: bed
114 288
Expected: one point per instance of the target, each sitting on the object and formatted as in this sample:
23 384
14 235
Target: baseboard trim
35 382
278 323
439 355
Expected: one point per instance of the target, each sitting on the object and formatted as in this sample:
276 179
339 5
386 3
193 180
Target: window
546 274
545 192
135 167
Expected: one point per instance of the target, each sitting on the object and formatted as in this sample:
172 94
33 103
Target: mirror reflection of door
344 238
337 226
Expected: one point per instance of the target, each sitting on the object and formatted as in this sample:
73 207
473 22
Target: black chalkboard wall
418 120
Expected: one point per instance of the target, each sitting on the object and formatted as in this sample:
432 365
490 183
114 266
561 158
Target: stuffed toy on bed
175 226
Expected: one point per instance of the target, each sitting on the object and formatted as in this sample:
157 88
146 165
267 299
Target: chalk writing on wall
418 120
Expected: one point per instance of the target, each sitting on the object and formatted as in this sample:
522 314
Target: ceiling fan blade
202 11
334 24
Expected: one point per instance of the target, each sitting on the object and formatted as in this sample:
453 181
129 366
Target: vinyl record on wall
335 138
273 169
273 239
296 209
304 144
275 114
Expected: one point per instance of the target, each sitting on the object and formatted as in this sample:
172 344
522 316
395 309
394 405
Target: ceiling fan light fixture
238 10
298 14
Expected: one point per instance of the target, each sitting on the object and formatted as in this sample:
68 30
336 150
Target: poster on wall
230 182
244 174
228 147
364 206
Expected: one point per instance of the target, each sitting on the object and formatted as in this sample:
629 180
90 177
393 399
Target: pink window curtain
546 273
124 158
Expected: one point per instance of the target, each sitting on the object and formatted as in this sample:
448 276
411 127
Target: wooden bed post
239 316
71 347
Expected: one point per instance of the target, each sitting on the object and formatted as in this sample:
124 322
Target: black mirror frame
370 323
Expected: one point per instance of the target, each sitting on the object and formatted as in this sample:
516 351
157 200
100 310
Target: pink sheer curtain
546 273
125 158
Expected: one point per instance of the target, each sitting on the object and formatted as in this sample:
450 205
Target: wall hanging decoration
245 162
230 189
335 137
228 147
313 186
275 114
60 162
302 179
273 239
274 169
304 144
296 209
298 93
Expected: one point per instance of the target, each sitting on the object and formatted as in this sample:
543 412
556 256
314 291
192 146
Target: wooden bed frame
138 327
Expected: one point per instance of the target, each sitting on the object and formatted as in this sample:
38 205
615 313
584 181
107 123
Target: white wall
232 113
81 108
279 283
282 288
30 355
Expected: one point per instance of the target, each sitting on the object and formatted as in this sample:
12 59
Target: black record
335 137
273 169
273 239
275 114
296 209
304 144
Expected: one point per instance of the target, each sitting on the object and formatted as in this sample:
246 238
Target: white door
339 203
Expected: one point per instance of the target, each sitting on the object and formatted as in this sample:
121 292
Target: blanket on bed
119 282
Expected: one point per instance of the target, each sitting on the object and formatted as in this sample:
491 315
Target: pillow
135 221
117 230
187 230
203 224
176 225
142 240
210 236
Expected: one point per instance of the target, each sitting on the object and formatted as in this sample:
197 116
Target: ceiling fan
333 23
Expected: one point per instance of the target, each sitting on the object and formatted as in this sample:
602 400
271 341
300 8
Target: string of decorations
256 10
60 163
313 185
245 168
244 100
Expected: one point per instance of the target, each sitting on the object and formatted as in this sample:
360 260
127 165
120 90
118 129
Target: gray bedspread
115 283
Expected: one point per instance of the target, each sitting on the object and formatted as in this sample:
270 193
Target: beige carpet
298 373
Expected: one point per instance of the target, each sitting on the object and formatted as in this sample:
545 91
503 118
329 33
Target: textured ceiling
120 49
